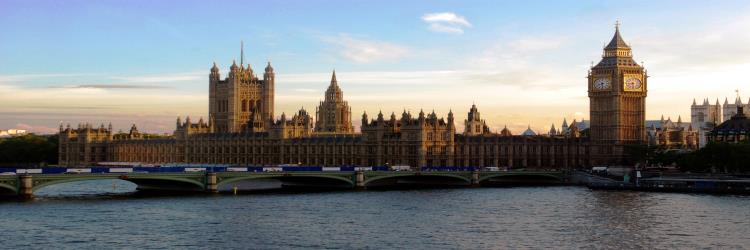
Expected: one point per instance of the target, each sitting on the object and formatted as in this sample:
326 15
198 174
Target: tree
29 150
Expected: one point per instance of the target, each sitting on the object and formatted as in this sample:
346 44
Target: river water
80 216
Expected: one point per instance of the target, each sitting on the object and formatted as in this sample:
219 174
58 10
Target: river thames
76 216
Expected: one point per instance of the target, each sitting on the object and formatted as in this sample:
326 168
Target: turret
269 80
233 68
214 76
450 117
365 121
552 130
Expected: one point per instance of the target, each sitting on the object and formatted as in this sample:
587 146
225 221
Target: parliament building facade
241 129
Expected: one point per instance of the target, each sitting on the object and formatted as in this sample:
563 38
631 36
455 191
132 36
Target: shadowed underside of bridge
417 180
169 182
259 181
7 190
520 179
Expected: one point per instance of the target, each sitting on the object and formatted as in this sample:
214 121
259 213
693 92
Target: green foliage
29 150
714 157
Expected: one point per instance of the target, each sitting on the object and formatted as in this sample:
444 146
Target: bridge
24 185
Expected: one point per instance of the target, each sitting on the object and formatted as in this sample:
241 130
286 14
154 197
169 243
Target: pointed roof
617 42
333 78
334 93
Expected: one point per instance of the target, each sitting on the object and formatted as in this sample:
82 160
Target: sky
523 63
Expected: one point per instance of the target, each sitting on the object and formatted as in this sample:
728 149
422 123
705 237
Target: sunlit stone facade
242 130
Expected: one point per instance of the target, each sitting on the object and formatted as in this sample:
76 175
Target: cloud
115 86
446 22
180 77
38 129
366 51
29 77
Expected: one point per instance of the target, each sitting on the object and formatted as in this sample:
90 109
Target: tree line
715 157
29 150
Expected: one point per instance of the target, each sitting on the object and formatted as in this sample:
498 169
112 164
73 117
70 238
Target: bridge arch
39 184
6 189
167 183
459 179
281 177
522 177
141 182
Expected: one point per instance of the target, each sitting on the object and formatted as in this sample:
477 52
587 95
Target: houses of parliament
241 129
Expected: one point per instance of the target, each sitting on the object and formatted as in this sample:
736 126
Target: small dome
268 67
505 132
528 132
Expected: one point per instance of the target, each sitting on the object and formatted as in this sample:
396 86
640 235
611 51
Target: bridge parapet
25 185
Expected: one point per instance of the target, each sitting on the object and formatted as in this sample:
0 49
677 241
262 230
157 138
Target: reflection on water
98 214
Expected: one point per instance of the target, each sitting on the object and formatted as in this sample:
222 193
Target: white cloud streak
365 51
446 22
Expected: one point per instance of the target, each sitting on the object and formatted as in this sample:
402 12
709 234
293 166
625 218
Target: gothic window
244 105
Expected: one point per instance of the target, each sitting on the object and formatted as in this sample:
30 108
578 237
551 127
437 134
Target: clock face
632 83
602 83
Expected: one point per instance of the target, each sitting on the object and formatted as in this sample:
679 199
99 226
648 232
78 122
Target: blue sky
522 63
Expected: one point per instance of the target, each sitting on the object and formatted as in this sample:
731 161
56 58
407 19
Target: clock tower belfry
617 102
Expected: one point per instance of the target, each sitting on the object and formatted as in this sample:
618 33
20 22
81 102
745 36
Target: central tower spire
242 52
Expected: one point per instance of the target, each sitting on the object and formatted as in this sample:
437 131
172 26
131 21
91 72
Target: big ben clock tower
617 102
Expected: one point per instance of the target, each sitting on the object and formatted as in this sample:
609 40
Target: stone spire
552 130
334 114
617 42
333 78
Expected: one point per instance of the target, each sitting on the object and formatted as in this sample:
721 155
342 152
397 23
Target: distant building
12 133
669 135
734 130
705 116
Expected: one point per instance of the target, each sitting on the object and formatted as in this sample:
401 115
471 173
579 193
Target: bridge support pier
211 183
474 178
359 180
25 187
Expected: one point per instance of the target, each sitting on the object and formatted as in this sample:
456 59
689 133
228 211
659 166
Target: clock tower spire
617 102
